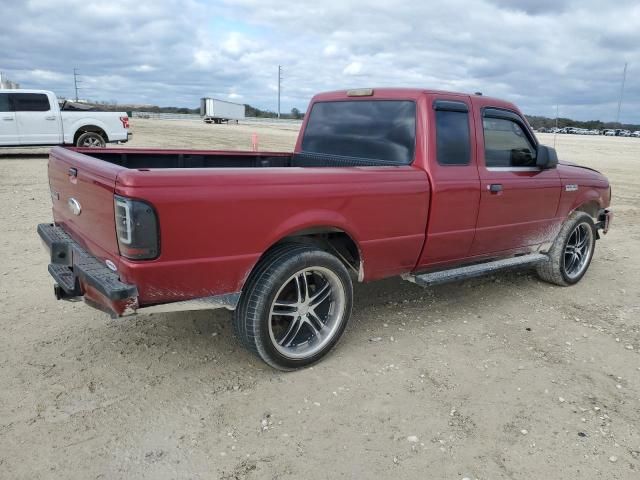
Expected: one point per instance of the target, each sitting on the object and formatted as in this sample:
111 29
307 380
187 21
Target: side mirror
546 157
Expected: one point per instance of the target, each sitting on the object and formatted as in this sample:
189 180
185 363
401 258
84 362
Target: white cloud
330 50
144 68
354 68
538 53
236 43
46 75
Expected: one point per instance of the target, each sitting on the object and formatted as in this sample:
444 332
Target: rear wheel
295 306
90 140
572 251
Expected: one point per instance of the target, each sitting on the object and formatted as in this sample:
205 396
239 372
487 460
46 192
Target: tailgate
82 189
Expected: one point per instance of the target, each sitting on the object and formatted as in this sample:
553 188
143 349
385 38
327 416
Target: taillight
125 122
137 228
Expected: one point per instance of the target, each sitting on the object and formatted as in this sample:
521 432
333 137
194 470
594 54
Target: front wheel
295 306
572 251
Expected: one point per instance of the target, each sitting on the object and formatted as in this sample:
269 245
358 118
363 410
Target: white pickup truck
34 117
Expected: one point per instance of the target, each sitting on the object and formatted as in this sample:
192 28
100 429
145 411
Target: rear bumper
129 135
78 274
605 217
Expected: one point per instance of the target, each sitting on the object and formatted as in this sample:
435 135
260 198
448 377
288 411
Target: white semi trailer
213 110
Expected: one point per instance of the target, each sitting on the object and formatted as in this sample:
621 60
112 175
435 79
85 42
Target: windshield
372 129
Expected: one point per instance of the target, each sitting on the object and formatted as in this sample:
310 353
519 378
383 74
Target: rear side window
452 136
30 102
4 102
506 144
368 129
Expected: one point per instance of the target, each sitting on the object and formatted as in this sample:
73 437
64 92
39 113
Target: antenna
76 82
279 83
624 77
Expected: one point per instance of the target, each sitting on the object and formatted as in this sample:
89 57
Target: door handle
50 118
495 187
7 119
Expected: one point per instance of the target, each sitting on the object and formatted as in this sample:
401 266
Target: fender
311 219
322 220
70 132
588 195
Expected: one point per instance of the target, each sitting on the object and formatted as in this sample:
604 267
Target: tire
90 140
295 306
566 266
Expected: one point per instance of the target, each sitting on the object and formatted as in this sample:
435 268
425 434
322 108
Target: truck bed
144 158
152 158
214 222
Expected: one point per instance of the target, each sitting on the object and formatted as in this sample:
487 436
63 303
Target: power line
624 77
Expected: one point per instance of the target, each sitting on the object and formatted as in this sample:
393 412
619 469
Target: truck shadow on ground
24 152
191 338
19 155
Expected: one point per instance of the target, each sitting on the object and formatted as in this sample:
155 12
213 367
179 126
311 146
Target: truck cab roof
408 93
25 90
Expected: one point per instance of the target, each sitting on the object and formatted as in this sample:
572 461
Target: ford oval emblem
111 265
74 206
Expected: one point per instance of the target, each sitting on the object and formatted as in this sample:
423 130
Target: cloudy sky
537 53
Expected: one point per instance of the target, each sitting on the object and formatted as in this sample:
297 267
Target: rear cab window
4 103
453 145
30 102
380 130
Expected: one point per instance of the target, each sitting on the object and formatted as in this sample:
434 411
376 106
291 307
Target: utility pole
279 84
624 77
76 82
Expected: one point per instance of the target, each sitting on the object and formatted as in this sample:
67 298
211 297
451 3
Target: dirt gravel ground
503 377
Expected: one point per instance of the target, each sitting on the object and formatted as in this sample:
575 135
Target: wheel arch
330 238
592 207
82 129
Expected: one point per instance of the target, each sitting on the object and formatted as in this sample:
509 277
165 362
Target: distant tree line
535 121
250 111
256 112
545 122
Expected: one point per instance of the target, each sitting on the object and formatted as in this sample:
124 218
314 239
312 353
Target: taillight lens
125 122
137 228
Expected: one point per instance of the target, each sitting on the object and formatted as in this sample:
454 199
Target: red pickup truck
430 185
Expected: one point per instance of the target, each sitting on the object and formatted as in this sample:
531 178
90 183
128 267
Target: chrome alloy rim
91 142
307 312
577 250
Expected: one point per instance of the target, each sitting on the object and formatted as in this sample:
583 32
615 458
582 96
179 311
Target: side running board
476 270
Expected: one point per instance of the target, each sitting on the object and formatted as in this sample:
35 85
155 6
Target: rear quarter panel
215 224
107 121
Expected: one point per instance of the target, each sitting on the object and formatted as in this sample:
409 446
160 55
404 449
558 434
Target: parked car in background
636 133
34 117
609 133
